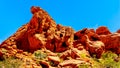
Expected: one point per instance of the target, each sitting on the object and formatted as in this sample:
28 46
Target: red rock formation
102 30
43 33
90 33
95 48
56 37
58 42
112 42
71 63
35 9
90 41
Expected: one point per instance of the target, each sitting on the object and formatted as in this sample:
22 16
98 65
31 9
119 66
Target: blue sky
75 13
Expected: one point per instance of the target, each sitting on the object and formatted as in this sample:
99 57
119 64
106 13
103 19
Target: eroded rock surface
58 46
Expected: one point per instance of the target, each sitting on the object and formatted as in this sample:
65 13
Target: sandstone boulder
102 30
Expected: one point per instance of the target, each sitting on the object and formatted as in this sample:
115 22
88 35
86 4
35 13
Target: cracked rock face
91 42
58 42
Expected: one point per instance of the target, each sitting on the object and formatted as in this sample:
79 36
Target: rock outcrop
112 42
42 32
58 42
90 40
102 31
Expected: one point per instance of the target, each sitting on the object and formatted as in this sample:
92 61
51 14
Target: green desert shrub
84 66
107 61
10 63
39 55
